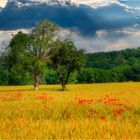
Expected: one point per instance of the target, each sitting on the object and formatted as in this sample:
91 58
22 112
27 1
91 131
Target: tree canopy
28 55
66 59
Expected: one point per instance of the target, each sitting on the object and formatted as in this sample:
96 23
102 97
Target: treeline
109 60
120 74
115 66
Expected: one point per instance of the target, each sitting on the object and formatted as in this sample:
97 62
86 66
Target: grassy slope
51 113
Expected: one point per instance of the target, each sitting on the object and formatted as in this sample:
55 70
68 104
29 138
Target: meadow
89 111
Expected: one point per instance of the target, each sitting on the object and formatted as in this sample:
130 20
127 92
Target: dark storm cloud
108 41
83 19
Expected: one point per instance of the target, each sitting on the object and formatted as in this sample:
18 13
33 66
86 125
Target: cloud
132 7
108 40
3 3
83 19
97 3
104 40
99 25
6 36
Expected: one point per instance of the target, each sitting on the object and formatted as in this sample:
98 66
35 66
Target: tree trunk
36 82
63 86
65 81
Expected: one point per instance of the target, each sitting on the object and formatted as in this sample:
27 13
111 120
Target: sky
3 3
107 24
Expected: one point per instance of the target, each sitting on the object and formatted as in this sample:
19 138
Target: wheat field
88 111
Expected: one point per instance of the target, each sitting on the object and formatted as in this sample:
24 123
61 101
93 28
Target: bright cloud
110 40
96 3
3 3
100 3
6 36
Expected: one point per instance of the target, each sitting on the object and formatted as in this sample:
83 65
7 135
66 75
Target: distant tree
109 60
66 59
3 76
51 77
87 75
133 74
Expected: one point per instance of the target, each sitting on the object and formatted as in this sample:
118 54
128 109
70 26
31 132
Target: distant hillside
115 59
116 66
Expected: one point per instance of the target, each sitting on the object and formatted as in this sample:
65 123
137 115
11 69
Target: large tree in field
32 49
66 59
42 39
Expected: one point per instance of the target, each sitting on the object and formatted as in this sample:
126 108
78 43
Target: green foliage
73 78
17 60
41 40
4 76
28 53
40 57
4 73
93 75
86 76
51 77
65 60
109 60
133 73
118 74
116 66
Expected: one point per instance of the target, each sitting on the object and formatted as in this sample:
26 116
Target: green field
81 112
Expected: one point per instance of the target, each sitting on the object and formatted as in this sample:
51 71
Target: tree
17 60
4 74
66 59
51 77
32 49
86 75
42 39
133 74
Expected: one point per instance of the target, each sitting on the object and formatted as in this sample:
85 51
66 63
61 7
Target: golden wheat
90 111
